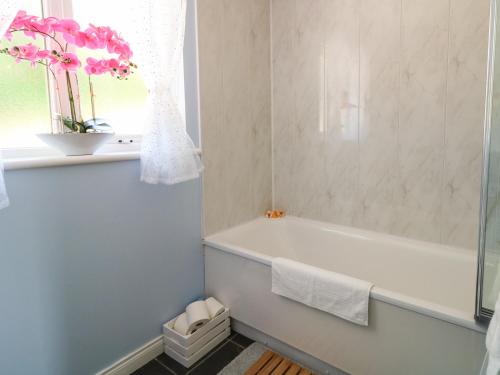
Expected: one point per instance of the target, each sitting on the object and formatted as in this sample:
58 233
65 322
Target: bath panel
419 322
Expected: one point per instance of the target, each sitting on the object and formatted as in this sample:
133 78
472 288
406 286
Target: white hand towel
492 362
337 294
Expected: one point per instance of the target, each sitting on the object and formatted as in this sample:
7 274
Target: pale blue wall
92 261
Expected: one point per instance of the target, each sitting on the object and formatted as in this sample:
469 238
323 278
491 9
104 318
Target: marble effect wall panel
378 112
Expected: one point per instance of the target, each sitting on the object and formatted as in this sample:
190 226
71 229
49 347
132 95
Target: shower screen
488 287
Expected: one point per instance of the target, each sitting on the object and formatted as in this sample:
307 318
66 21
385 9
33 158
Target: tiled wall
378 113
234 63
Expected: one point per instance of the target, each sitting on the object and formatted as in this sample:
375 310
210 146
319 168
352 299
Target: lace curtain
168 154
7 14
4 198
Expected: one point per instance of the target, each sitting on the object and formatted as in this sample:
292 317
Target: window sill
45 157
62 160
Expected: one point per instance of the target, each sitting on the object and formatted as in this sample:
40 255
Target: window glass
24 99
120 103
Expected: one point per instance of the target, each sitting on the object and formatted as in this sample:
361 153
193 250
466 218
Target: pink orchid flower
25 52
17 24
18 21
121 48
28 51
44 25
96 67
94 37
79 39
103 33
123 71
68 61
69 28
27 26
49 56
93 41
22 20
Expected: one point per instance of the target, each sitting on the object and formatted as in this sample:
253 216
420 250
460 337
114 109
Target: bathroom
325 171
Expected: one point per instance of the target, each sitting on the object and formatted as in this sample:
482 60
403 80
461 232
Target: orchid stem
92 101
58 94
42 33
79 101
80 129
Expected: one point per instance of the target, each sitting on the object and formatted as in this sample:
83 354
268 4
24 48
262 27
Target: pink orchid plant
66 36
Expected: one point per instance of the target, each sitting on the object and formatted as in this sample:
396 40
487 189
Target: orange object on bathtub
275 214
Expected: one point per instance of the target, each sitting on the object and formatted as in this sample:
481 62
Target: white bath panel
397 341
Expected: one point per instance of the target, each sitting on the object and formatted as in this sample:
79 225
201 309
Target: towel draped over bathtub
337 294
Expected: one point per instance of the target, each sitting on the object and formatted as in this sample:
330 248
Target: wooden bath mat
271 363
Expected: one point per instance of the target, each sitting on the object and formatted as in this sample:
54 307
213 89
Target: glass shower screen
489 247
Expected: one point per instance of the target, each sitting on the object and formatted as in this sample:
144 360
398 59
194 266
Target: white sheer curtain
168 155
7 14
4 198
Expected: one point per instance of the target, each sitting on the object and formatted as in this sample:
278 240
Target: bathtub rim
400 300
349 231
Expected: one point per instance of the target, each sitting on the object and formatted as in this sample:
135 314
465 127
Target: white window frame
120 143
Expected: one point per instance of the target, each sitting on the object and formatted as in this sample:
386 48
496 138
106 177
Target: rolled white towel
197 315
181 324
214 307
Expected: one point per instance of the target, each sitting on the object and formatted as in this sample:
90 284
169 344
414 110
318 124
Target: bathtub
421 318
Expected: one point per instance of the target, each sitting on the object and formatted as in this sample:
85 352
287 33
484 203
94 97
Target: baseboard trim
136 359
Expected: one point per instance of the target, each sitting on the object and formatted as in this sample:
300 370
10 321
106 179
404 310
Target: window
122 104
26 97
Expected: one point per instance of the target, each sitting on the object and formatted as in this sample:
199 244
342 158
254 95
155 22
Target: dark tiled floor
211 364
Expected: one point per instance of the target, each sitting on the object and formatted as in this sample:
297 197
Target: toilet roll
181 324
197 315
214 307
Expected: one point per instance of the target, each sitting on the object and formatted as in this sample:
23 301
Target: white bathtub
421 307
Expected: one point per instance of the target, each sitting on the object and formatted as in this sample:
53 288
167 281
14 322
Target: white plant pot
73 144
